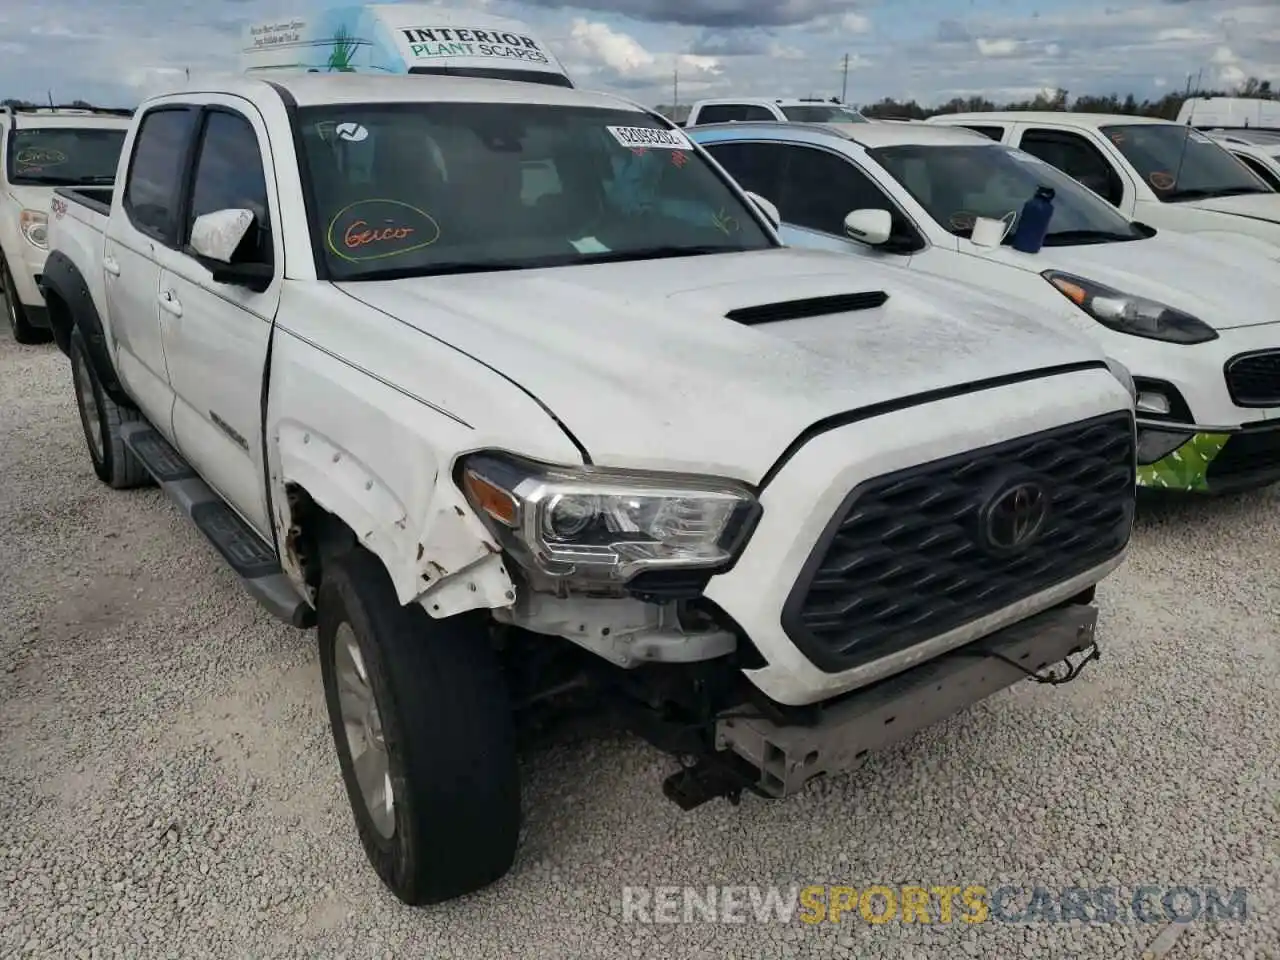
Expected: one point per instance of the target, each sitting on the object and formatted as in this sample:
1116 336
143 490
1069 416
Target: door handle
110 265
170 303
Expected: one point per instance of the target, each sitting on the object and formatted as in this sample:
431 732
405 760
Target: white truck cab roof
746 109
401 38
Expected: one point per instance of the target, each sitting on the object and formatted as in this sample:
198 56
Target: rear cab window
497 187
822 113
62 156
733 112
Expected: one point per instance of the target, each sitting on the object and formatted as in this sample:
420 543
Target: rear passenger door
146 222
216 334
1084 159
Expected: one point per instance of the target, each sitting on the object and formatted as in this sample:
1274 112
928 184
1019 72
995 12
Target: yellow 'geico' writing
878 904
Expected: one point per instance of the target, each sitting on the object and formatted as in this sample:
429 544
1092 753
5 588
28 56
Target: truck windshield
957 184
421 189
1180 163
823 113
63 156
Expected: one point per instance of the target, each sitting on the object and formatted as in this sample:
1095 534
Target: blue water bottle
1033 224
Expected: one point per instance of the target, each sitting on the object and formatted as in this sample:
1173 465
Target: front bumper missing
785 758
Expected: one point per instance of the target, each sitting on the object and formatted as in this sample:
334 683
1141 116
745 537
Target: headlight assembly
605 526
1131 314
35 227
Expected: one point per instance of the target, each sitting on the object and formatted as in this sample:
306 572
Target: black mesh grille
1253 379
1248 453
904 558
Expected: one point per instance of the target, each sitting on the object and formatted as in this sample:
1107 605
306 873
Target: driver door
216 335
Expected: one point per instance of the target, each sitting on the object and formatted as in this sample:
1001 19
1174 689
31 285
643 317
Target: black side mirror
253 276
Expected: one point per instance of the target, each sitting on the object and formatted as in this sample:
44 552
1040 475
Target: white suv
45 148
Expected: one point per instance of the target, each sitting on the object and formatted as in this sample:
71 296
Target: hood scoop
808 307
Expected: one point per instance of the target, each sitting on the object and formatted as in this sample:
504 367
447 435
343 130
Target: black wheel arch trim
63 279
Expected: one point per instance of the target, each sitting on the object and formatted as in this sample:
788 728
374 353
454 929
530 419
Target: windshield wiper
655 253
102 179
437 270
1207 194
1067 238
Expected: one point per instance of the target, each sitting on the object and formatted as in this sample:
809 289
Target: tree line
26 104
1165 107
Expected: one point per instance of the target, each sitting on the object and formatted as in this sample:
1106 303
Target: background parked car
44 148
1193 317
1165 174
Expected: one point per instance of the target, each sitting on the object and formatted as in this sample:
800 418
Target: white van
45 148
401 38
1230 112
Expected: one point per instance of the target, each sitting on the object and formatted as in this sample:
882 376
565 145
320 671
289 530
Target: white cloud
999 47
1183 35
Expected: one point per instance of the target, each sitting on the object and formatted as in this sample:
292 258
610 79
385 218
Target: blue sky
927 49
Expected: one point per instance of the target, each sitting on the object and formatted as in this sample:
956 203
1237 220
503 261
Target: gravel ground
168 786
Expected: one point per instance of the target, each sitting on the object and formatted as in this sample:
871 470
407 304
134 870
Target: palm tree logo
342 52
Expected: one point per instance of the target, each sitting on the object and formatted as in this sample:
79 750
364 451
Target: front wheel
423 727
23 331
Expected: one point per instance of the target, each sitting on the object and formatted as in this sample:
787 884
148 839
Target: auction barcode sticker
642 137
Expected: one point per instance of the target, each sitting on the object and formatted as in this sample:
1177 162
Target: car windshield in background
822 113
421 189
63 156
1180 163
958 184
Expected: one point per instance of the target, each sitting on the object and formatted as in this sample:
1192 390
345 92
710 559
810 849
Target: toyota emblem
1015 516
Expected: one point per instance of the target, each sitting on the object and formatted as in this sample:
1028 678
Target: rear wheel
101 419
422 723
23 331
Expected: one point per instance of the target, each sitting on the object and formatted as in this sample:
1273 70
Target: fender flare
434 548
63 278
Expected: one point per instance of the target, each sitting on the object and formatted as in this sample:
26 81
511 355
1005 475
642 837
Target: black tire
446 721
23 331
112 461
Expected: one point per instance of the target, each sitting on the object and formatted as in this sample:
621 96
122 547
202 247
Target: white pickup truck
513 393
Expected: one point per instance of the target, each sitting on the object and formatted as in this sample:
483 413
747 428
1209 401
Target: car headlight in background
35 227
605 526
1131 314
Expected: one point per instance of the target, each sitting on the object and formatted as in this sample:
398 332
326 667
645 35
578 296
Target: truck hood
1226 284
639 362
1258 206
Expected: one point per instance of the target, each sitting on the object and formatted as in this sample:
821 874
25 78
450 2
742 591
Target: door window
229 176
1078 158
155 172
820 189
1270 179
992 133
753 111
756 166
